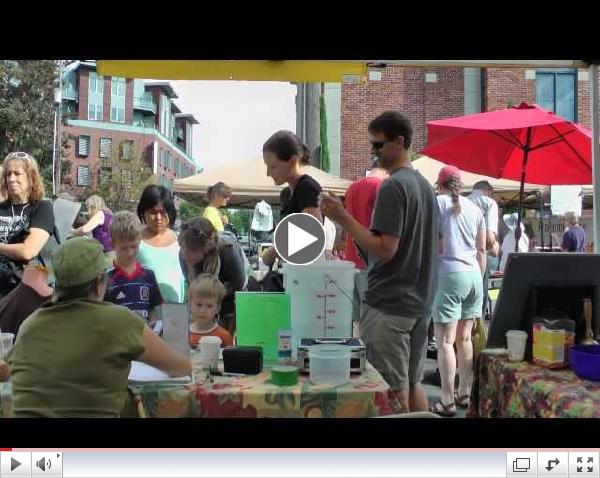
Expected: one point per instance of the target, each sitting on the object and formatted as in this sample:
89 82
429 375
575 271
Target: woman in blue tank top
159 249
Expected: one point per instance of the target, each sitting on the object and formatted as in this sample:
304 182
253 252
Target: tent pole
595 123
522 189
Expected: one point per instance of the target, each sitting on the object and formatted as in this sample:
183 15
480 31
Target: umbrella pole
541 202
522 189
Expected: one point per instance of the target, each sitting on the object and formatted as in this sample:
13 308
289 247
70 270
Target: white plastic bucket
329 364
321 299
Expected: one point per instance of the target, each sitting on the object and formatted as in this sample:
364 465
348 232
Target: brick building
437 93
111 118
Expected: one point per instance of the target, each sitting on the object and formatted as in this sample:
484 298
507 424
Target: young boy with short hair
204 300
129 283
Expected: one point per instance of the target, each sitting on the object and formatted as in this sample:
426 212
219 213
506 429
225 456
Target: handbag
479 337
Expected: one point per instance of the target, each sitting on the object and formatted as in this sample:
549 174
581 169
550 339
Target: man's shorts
459 296
396 345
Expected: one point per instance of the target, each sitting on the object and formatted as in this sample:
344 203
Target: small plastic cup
209 351
6 343
516 341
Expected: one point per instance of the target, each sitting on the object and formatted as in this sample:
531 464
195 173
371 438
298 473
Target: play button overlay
299 239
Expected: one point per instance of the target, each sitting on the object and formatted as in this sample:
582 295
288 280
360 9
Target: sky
236 117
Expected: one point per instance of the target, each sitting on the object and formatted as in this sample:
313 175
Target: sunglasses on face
381 144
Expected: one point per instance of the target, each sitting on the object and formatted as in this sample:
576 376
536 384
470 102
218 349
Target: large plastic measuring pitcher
321 299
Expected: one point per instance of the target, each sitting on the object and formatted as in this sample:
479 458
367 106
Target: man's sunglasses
381 144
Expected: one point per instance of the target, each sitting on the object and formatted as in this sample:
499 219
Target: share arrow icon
550 467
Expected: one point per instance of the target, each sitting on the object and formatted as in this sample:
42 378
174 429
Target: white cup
516 341
209 351
6 343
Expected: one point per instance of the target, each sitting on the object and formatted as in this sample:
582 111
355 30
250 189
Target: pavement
431 384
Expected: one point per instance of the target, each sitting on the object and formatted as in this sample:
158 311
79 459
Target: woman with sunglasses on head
159 249
284 154
26 219
218 196
203 250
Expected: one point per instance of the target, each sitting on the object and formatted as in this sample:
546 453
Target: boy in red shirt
204 301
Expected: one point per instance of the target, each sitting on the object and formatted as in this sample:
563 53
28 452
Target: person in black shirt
284 154
26 220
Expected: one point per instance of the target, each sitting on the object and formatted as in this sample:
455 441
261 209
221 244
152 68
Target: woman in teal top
159 249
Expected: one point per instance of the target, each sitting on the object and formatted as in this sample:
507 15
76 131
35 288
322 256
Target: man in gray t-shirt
402 246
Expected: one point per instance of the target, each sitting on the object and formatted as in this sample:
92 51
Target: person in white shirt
482 197
508 244
459 296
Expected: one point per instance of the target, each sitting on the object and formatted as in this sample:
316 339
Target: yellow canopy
252 70
249 182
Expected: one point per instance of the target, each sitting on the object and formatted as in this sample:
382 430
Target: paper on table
141 372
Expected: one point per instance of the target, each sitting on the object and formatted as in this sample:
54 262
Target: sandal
444 410
462 401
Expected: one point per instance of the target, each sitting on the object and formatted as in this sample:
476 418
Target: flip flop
444 410
461 401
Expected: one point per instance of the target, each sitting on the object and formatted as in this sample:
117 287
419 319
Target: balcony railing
144 102
70 93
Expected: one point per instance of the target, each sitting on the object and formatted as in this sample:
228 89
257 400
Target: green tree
122 176
27 110
189 210
240 219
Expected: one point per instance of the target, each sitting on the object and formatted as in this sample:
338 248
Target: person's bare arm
4 371
314 211
382 246
95 221
29 248
492 245
158 354
480 242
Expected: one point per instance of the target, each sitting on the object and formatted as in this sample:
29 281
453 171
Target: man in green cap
72 356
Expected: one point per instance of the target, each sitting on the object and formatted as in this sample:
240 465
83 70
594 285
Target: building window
95 97
83 145
117 100
165 106
127 150
117 114
126 178
95 112
96 83
105 177
83 176
105 147
117 86
556 91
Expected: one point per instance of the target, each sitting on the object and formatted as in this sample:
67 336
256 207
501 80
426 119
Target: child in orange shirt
204 301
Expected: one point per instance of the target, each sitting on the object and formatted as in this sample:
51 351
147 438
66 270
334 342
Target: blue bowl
585 361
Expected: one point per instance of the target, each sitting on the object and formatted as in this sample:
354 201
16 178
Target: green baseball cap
78 261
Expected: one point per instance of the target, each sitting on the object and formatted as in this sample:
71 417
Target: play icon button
299 239
14 464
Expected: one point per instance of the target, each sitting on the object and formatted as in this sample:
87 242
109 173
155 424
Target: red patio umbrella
523 142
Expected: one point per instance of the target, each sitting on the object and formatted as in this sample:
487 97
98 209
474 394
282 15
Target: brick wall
504 87
403 89
83 79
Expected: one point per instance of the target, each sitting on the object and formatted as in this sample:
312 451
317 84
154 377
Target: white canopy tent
249 181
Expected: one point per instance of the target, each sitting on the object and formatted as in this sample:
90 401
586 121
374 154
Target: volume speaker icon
43 464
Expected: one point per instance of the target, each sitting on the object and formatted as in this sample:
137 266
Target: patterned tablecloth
366 395
505 389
